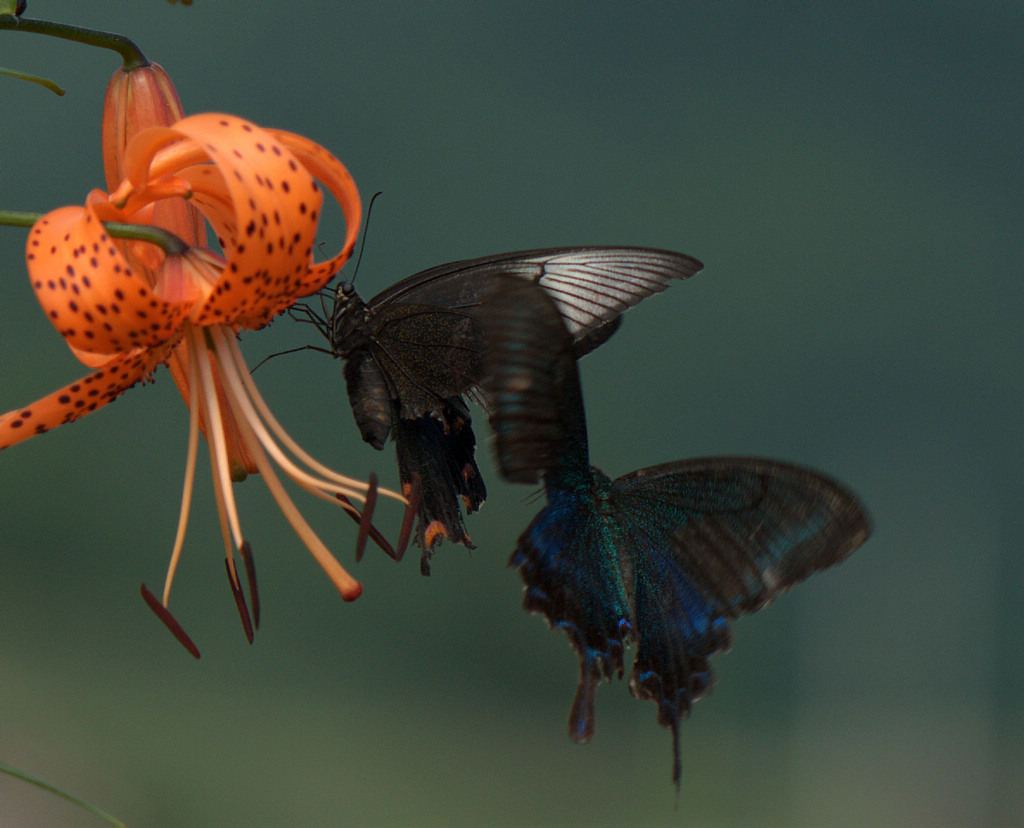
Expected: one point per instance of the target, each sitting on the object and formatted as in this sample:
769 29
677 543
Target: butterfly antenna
307 314
366 232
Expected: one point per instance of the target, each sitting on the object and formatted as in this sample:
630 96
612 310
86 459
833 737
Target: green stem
129 52
165 240
46 786
10 218
25 76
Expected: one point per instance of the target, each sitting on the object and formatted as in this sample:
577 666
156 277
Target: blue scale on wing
664 556
569 562
748 528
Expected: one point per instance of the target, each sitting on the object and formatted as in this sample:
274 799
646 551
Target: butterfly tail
582 716
578 593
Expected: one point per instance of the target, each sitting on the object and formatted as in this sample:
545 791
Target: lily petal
89 292
333 175
254 184
79 398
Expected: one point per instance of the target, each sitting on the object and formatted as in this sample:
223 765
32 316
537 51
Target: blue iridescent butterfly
663 557
412 355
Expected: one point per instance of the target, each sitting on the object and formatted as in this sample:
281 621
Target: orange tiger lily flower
138 98
125 308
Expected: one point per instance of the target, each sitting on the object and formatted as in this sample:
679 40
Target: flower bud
136 99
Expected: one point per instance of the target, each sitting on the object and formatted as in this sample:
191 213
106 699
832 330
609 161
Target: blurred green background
851 176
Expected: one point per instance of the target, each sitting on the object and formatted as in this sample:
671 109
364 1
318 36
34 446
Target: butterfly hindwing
713 538
570 564
441 450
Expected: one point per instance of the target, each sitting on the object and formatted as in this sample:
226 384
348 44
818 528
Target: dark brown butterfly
412 356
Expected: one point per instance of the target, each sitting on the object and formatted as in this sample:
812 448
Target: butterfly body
416 400
413 354
661 558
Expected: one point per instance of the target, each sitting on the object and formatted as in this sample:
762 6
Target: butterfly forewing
532 383
590 285
747 529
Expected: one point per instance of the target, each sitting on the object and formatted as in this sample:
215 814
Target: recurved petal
262 202
79 398
335 178
90 293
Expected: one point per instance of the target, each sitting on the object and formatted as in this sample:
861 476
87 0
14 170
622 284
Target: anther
170 622
236 591
412 495
250 574
366 521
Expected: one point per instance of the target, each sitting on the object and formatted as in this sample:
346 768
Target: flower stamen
186 495
412 492
201 346
348 486
374 532
347 586
250 574
366 521
236 591
170 622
